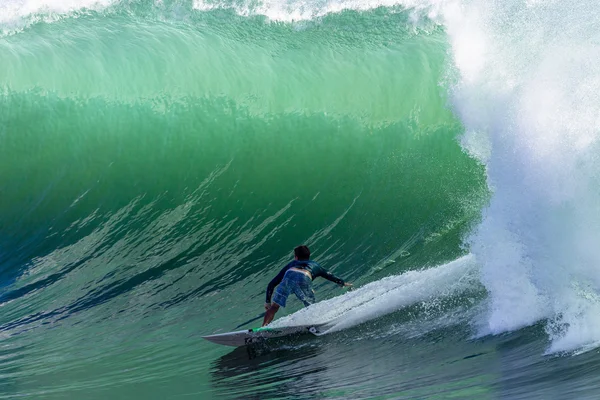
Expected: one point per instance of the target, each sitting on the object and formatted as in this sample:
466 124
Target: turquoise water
160 160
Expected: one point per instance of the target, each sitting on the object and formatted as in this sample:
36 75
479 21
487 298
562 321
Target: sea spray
528 96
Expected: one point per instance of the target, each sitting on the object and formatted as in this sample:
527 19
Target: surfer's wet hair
302 252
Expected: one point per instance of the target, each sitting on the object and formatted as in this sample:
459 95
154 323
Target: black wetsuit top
311 266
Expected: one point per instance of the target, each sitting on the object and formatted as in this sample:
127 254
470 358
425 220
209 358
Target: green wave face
158 164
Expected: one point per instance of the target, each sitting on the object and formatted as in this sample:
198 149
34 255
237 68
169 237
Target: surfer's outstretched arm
330 277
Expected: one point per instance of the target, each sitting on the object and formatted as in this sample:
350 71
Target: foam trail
388 295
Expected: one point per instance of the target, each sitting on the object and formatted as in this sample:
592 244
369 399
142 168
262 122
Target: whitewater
159 160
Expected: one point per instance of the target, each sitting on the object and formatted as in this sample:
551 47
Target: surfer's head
302 253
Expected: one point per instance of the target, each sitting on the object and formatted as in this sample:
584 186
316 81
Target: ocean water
159 160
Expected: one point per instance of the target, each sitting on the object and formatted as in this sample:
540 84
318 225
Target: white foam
288 11
531 99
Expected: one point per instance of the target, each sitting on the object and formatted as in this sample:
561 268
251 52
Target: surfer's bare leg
270 314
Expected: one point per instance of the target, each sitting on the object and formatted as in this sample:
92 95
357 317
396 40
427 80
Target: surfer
296 277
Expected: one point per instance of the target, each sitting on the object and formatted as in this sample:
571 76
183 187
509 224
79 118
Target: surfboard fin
315 331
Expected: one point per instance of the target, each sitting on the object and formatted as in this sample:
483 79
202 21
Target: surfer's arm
317 270
331 277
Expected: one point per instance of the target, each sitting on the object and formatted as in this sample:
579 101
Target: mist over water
160 160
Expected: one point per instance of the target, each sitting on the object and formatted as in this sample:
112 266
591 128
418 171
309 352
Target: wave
105 87
194 157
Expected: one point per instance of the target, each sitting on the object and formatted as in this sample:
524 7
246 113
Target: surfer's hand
267 306
346 284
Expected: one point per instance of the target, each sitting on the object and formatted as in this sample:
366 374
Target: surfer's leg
270 314
306 296
279 299
304 292
310 297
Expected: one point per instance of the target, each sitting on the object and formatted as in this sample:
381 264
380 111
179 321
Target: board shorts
294 282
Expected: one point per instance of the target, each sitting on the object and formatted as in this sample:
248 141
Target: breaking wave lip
292 11
16 15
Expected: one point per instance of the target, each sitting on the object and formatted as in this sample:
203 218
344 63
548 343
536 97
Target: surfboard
258 335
